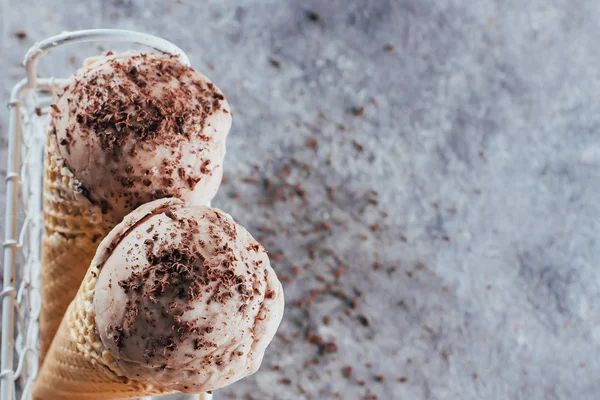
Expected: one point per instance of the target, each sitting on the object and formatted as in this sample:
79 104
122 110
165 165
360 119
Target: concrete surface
456 254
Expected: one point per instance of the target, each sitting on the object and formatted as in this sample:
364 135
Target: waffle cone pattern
77 365
73 229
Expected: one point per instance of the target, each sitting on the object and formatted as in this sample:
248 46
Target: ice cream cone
176 298
73 228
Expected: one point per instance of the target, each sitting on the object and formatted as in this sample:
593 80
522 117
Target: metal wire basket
29 105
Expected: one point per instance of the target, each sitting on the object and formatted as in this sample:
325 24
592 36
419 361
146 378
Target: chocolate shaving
176 275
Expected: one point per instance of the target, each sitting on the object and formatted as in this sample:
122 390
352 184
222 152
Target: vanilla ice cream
185 298
135 127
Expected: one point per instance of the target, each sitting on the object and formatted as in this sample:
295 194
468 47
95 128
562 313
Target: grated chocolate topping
176 274
125 103
133 105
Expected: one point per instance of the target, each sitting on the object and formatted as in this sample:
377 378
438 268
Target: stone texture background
424 173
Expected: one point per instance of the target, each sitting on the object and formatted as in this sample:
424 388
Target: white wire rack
29 105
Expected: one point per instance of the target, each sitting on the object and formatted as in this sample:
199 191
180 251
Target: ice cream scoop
186 298
135 127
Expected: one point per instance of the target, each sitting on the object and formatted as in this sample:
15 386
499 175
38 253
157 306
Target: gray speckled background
456 253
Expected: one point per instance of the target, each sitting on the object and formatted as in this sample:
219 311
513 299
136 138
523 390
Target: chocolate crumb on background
357 111
20 34
346 372
313 16
275 62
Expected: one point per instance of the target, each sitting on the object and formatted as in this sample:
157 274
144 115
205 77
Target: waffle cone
73 228
77 365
